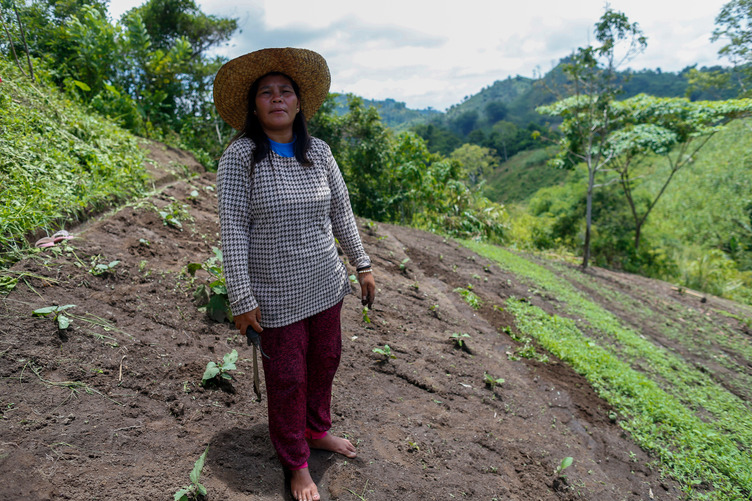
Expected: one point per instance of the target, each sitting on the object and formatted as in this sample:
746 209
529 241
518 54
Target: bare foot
302 486
333 444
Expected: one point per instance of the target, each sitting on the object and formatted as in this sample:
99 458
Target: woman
282 202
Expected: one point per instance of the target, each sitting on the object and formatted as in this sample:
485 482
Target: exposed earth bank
112 407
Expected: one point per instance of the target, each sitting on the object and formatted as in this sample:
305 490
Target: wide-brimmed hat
234 79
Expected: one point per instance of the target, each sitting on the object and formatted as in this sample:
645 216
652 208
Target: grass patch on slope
698 333
58 162
701 433
522 175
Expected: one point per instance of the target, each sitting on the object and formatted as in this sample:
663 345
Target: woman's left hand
367 288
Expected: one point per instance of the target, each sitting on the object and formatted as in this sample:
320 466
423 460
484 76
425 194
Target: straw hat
234 79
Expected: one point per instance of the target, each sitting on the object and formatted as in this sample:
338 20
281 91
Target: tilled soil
112 407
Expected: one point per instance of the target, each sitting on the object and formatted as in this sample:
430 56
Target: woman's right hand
249 318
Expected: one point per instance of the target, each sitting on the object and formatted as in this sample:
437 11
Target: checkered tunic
278 231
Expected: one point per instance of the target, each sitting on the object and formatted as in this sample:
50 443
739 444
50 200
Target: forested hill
393 113
514 99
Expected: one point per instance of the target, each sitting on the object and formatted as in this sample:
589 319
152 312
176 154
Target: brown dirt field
112 407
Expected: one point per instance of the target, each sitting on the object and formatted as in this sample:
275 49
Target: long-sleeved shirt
278 224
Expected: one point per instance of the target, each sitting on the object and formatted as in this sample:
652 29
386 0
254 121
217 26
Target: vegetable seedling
212 297
366 318
386 352
459 339
434 308
565 463
98 269
219 371
492 382
403 264
196 488
470 297
57 314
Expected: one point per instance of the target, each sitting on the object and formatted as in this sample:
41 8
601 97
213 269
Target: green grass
58 162
698 333
522 175
701 432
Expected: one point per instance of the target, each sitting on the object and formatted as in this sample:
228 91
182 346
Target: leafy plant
195 489
62 321
492 382
174 213
403 264
459 339
212 297
366 318
99 269
371 227
565 463
434 308
217 371
386 352
470 297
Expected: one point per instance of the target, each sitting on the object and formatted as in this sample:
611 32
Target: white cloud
435 53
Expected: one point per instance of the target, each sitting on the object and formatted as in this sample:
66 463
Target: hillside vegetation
482 371
59 163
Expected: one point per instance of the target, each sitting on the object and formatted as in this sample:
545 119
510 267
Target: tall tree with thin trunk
671 129
587 114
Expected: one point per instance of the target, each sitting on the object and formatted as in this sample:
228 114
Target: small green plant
98 269
459 339
403 264
62 321
174 213
565 463
434 308
366 318
212 297
386 352
216 372
195 489
371 227
470 297
492 382
193 196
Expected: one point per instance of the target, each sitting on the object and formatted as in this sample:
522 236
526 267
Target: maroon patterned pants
299 370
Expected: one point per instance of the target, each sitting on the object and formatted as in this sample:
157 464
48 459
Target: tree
674 129
734 24
587 121
495 111
464 122
477 161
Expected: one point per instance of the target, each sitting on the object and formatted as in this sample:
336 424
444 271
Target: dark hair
252 128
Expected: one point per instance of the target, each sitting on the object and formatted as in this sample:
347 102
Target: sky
434 53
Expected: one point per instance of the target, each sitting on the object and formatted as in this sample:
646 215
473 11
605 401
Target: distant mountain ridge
520 96
393 113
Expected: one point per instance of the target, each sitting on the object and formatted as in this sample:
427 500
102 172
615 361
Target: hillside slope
112 407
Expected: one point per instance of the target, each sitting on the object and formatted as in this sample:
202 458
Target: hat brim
234 79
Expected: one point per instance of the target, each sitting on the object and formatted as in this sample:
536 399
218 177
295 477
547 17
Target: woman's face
276 105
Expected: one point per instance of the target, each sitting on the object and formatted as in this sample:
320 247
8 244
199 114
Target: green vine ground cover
701 432
57 162
699 334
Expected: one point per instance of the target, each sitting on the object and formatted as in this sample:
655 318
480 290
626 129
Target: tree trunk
23 37
12 46
588 217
